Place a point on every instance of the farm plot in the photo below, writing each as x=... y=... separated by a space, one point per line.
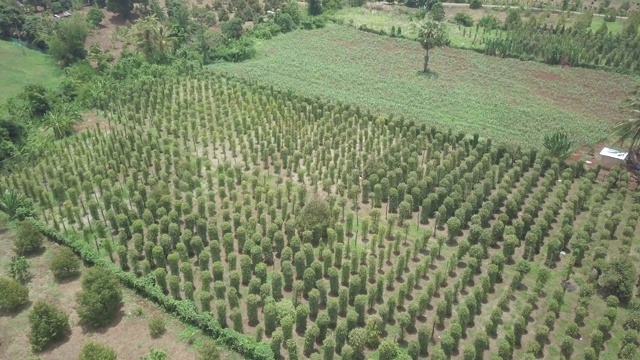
x=324 y=230
x=508 y=100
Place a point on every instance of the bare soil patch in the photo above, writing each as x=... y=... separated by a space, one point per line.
x=347 y=44
x=592 y=158
x=547 y=76
x=106 y=35
x=91 y=121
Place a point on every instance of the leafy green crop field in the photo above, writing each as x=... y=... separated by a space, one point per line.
x=508 y=100
x=20 y=66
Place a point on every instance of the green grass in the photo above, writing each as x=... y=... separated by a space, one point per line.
x=20 y=66
x=508 y=100
x=614 y=27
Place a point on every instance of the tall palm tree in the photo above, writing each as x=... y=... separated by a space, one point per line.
x=165 y=40
x=628 y=131
x=432 y=34
x=152 y=38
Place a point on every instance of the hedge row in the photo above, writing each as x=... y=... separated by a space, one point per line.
x=183 y=309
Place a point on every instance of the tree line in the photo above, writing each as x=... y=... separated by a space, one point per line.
x=573 y=46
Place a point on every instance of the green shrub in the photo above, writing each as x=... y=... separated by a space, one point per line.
x=156 y=354
x=463 y=19
x=64 y=263
x=513 y=19
x=28 y=239
x=48 y=324
x=56 y=7
x=437 y=12
x=315 y=217
x=233 y=28
x=95 y=17
x=558 y=145
x=490 y=22
x=18 y=269
x=96 y=351
x=475 y=4
x=14 y=205
x=12 y=294
x=208 y=350
x=157 y=326
x=100 y=298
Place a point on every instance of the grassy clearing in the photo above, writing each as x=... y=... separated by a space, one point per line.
x=506 y=99
x=20 y=66
x=614 y=27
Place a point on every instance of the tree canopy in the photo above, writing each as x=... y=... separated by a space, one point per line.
x=628 y=131
x=432 y=34
x=66 y=43
x=618 y=278
x=315 y=216
x=100 y=298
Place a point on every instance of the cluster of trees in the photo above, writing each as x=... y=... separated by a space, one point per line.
x=97 y=303
x=64 y=40
x=574 y=46
x=36 y=117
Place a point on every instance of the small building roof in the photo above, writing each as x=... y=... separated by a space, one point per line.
x=613 y=153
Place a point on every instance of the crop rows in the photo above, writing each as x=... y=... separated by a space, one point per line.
x=324 y=230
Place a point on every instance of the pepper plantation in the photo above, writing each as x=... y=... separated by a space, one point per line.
x=292 y=227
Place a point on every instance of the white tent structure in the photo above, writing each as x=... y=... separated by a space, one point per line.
x=612 y=158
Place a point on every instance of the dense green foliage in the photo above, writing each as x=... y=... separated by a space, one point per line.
x=18 y=269
x=28 y=239
x=48 y=324
x=618 y=278
x=64 y=263
x=95 y=17
x=558 y=145
x=463 y=19
x=315 y=217
x=156 y=354
x=66 y=43
x=12 y=294
x=100 y=298
x=437 y=12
